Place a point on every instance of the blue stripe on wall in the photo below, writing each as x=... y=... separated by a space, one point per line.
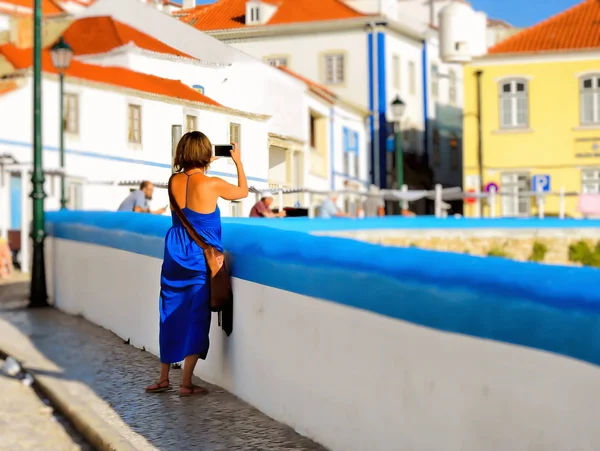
x=382 y=110
x=425 y=65
x=371 y=106
x=101 y=156
x=547 y=307
x=332 y=147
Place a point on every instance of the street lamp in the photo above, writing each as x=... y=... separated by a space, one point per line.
x=397 y=109
x=38 y=297
x=62 y=55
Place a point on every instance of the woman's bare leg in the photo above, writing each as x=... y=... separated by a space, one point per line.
x=163 y=382
x=187 y=388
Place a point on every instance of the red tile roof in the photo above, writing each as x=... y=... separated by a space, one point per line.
x=48 y=6
x=116 y=76
x=317 y=88
x=576 y=28
x=227 y=14
x=101 y=34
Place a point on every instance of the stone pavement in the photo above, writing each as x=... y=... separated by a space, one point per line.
x=109 y=377
x=27 y=423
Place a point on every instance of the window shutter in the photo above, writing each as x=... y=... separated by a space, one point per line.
x=521 y=111
x=506 y=112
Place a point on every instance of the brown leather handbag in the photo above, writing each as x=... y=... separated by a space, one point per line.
x=221 y=293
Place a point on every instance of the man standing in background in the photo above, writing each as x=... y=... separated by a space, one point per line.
x=374 y=205
x=138 y=200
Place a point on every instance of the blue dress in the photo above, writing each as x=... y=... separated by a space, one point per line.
x=184 y=288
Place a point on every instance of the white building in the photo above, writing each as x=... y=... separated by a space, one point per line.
x=368 y=51
x=267 y=110
x=118 y=127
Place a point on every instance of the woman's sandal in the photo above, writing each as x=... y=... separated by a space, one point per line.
x=194 y=391
x=159 y=387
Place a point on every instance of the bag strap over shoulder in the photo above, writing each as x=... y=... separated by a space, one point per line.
x=184 y=220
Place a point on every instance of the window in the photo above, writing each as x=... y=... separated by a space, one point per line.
x=512 y=187
x=334 y=69
x=513 y=104
x=452 y=88
x=255 y=14
x=276 y=62
x=435 y=82
x=235 y=133
x=135 y=124
x=412 y=78
x=590 y=99
x=590 y=181
x=396 y=72
x=350 y=153
x=313 y=130
x=71 y=113
x=191 y=123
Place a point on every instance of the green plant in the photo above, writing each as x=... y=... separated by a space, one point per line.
x=497 y=252
x=412 y=245
x=581 y=252
x=538 y=252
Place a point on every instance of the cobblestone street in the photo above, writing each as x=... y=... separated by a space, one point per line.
x=110 y=377
x=27 y=423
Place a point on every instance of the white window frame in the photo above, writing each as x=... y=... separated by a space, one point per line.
x=71 y=113
x=513 y=97
x=511 y=184
x=592 y=92
x=131 y=129
x=335 y=68
x=590 y=180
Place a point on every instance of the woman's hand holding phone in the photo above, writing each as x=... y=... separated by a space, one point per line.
x=235 y=154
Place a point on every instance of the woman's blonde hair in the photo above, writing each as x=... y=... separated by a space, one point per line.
x=193 y=151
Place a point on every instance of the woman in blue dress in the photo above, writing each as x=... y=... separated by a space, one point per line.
x=184 y=295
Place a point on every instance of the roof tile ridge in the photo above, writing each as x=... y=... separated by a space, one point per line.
x=537 y=26
x=113 y=25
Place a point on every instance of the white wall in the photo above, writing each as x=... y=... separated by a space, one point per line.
x=101 y=151
x=350 y=379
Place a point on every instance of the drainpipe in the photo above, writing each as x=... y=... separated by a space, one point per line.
x=478 y=74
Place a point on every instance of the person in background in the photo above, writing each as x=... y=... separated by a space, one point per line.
x=374 y=205
x=329 y=209
x=262 y=208
x=138 y=200
x=6 y=265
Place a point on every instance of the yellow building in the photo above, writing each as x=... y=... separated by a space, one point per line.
x=537 y=95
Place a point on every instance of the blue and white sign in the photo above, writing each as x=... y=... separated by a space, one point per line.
x=540 y=182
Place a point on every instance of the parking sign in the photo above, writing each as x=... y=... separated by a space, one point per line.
x=540 y=182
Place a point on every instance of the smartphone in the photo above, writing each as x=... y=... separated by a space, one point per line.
x=222 y=150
